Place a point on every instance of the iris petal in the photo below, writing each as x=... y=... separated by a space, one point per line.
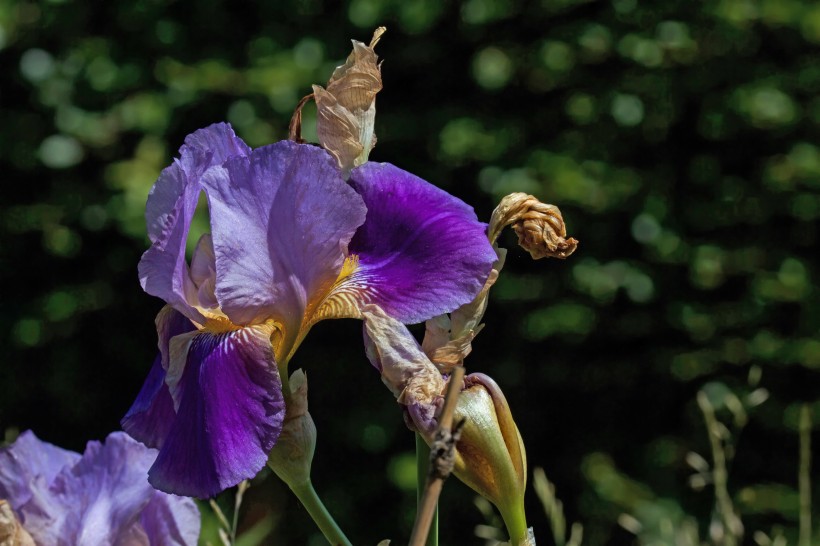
x=27 y=459
x=282 y=220
x=97 y=501
x=230 y=410
x=171 y=204
x=170 y=521
x=151 y=415
x=421 y=252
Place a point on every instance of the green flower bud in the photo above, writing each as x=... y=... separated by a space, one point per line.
x=292 y=455
x=490 y=455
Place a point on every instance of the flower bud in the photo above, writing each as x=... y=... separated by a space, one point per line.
x=292 y=455
x=539 y=226
x=11 y=530
x=490 y=455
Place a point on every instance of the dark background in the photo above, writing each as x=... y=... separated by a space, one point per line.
x=678 y=138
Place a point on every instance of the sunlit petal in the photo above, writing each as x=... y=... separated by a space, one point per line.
x=229 y=411
x=171 y=204
x=420 y=253
x=282 y=220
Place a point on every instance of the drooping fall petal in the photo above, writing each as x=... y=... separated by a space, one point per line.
x=229 y=411
x=151 y=415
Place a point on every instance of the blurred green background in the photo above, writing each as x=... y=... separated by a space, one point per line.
x=680 y=140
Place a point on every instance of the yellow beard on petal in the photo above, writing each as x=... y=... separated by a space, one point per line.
x=337 y=301
x=350 y=265
x=340 y=301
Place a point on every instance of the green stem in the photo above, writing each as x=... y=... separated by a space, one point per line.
x=313 y=504
x=422 y=465
x=516 y=523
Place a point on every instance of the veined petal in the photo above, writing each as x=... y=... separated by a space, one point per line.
x=282 y=220
x=171 y=204
x=97 y=501
x=229 y=414
x=29 y=458
x=151 y=415
x=420 y=253
x=168 y=520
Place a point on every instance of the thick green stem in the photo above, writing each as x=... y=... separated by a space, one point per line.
x=311 y=501
x=422 y=465
x=516 y=523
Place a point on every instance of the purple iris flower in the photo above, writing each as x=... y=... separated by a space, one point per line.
x=291 y=243
x=101 y=497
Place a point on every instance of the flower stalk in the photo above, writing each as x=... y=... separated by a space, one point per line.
x=442 y=458
x=313 y=504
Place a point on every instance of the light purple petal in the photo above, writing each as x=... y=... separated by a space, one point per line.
x=171 y=204
x=421 y=251
x=282 y=220
x=151 y=415
x=229 y=416
x=26 y=459
x=169 y=520
x=98 y=501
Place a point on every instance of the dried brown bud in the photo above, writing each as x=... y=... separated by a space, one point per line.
x=11 y=531
x=347 y=108
x=539 y=226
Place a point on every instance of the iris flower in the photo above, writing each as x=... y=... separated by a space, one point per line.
x=102 y=497
x=291 y=243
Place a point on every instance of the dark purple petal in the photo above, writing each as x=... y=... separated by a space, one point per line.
x=282 y=220
x=26 y=459
x=169 y=520
x=151 y=415
x=421 y=251
x=171 y=204
x=229 y=415
x=97 y=501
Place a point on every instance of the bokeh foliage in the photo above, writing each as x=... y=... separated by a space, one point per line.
x=680 y=139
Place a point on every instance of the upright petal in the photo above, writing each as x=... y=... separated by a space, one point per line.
x=421 y=252
x=98 y=501
x=230 y=410
x=282 y=220
x=26 y=459
x=170 y=208
x=151 y=415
